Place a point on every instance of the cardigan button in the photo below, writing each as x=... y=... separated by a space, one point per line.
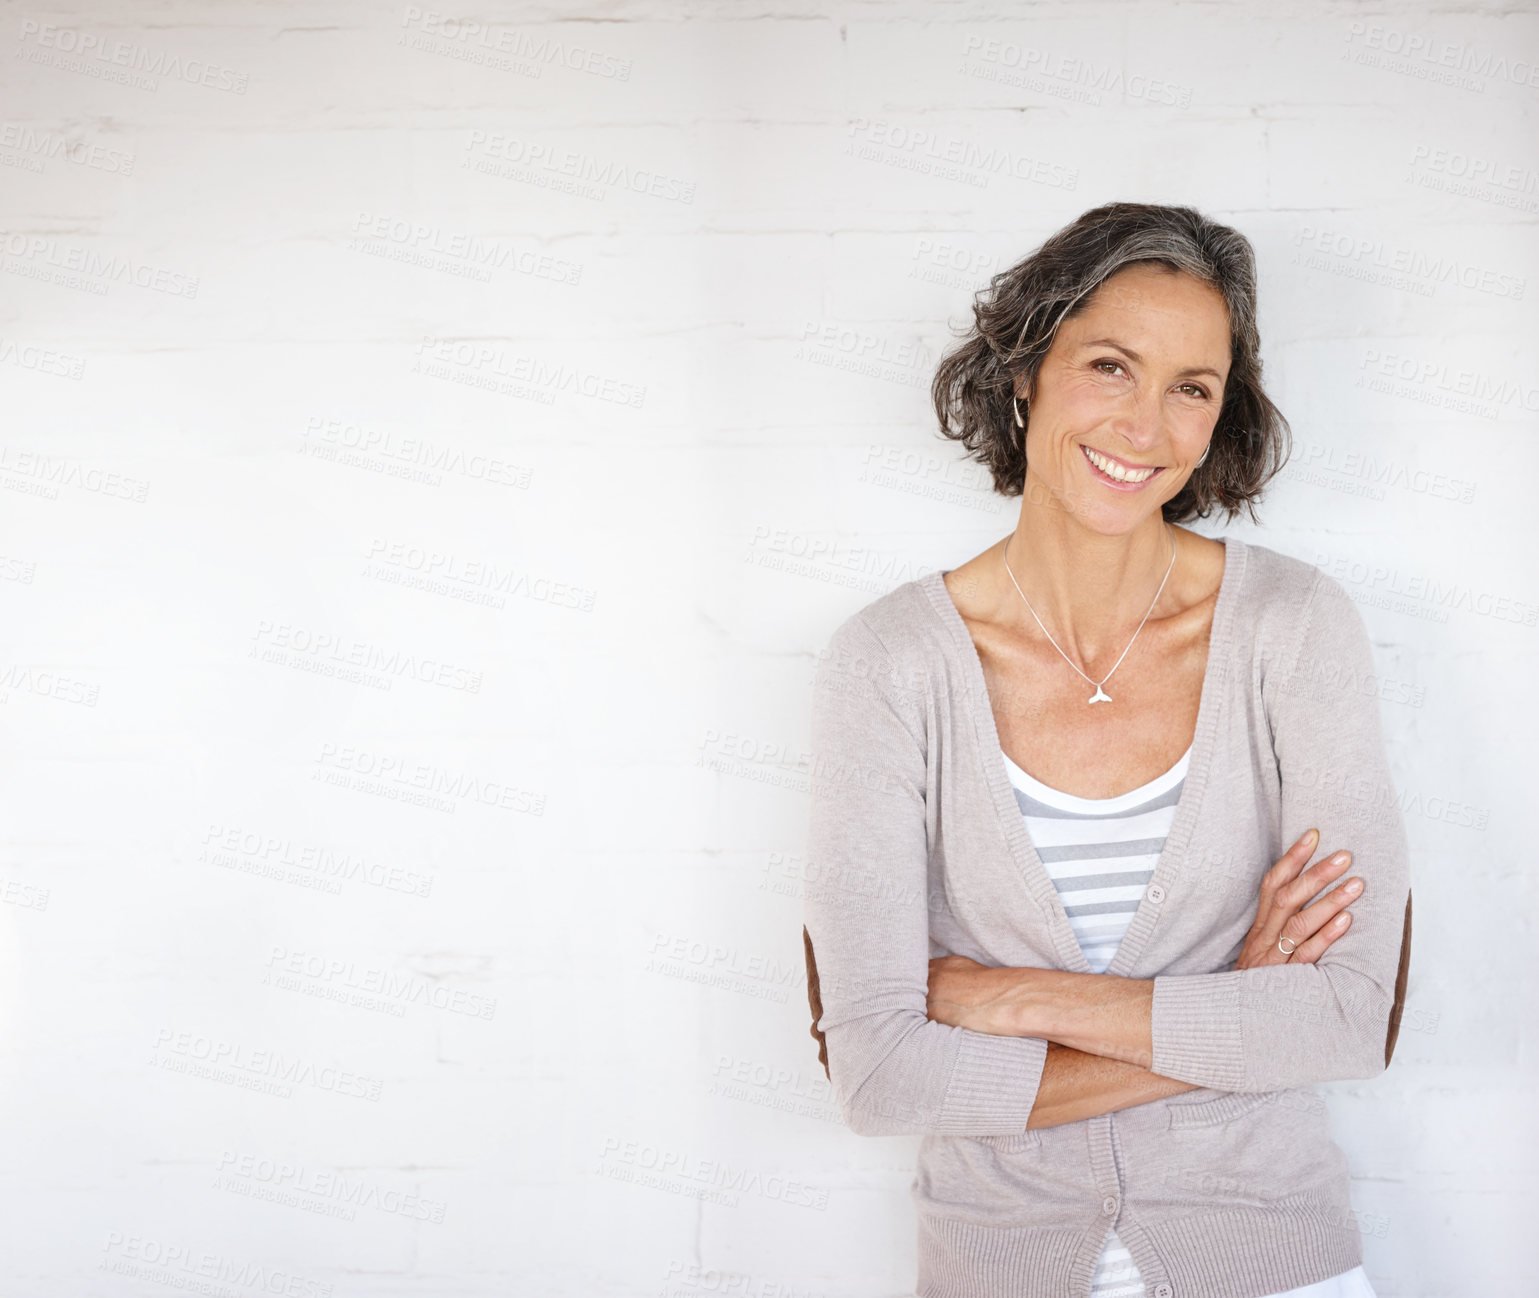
x=1156 y=893
x=1163 y=1291
x=1109 y=1205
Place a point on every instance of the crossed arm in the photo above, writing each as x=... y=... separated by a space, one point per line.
x=1076 y=1085
x=1097 y=1027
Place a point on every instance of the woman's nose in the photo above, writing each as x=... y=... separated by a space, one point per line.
x=1138 y=419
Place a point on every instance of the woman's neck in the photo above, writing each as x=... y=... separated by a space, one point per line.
x=1089 y=588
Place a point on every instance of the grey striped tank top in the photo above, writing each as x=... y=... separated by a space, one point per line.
x=1100 y=854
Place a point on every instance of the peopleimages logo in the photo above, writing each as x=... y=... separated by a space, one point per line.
x=1471 y=385
x=316 y=1189
x=1066 y=76
x=490 y=364
x=680 y=1172
x=1429 y=57
x=40 y=146
x=538 y=52
x=432 y=246
x=533 y=159
x=1376 y=259
x=47 y=255
x=269 y=1071
x=951 y=157
x=199 y=1270
x=114 y=60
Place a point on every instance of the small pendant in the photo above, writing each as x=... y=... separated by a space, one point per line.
x=1100 y=696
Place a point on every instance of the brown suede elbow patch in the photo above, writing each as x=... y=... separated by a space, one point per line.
x=815 y=1000
x=1400 y=981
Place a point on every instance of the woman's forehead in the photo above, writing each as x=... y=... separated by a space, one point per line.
x=1141 y=289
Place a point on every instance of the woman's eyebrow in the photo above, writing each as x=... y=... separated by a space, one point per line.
x=1139 y=360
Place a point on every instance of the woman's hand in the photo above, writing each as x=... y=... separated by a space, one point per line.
x=966 y=994
x=1285 y=888
x=1095 y=1013
x=953 y=989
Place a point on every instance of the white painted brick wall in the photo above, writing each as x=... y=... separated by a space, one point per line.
x=239 y=327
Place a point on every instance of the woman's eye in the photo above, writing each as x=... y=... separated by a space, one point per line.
x=1195 y=390
x=1116 y=365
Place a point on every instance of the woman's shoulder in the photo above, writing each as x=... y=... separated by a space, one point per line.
x=1276 y=580
x=906 y=624
x=1282 y=596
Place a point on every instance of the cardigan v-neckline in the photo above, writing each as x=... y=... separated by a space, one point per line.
x=1031 y=873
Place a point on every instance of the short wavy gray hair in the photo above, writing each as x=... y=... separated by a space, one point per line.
x=1016 y=318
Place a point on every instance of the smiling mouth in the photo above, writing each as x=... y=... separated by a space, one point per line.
x=1117 y=472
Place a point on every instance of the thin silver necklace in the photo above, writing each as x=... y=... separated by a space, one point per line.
x=1100 y=695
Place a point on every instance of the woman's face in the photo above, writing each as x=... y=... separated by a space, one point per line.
x=1137 y=379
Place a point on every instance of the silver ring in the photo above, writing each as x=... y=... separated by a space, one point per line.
x=1281 y=948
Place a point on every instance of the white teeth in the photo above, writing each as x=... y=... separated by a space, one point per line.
x=1114 y=470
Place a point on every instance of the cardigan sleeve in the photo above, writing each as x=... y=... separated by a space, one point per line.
x=1287 y=1025
x=894 y=1071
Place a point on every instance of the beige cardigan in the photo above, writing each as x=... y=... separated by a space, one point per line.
x=916 y=849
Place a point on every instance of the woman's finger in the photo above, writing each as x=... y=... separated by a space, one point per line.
x=1279 y=898
x=1285 y=871
x=1320 y=924
x=1260 y=945
x=1291 y=896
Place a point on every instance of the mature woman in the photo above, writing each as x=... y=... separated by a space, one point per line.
x=1062 y=918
